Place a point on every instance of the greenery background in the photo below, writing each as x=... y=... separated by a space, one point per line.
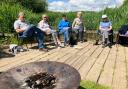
x=35 y=8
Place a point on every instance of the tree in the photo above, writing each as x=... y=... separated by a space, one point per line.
x=34 y=5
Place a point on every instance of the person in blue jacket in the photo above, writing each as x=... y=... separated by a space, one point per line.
x=64 y=26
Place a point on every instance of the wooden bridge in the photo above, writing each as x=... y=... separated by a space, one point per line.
x=106 y=66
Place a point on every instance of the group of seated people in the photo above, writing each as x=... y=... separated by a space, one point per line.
x=25 y=29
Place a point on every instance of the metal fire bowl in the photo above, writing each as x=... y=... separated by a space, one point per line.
x=66 y=76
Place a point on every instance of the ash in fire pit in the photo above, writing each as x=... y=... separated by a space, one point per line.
x=41 y=75
x=40 y=81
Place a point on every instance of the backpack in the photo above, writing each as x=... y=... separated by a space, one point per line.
x=123 y=29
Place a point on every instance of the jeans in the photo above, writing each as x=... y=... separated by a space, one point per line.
x=34 y=31
x=65 y=32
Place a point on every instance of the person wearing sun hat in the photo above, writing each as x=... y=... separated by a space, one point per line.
x=104 y=27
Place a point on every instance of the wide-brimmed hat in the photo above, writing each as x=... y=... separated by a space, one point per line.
x=104 y=16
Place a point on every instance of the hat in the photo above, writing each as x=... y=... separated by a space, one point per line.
x=104 y=16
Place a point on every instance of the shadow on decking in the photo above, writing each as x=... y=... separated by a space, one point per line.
x=49 y=46
x=5 y=54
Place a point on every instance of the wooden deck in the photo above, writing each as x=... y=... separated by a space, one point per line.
x=104 y=66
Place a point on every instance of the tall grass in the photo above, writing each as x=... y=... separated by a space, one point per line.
x=9 y=11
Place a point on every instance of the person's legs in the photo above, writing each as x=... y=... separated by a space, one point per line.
x=55 y=38
x=76 y=32
x=81 y=35
x=65 y=32
x=28 y=32
x=98 y=37
x=106 y=33
x=103 y=36
x=66 y=35
x=40 y=37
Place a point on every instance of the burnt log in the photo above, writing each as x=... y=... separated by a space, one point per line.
x=67 y=77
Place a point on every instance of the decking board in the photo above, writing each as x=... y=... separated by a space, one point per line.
x=102 y=65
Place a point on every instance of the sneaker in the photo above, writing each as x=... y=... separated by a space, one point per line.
x=43 y=49
x=62 y=46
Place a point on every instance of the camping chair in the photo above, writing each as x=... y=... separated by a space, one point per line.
x=24 y=40
x=121 y=34
x=99 y=36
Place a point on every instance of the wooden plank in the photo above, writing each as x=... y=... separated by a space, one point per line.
x=86 y=67
x=119 y=79
x=94 y=73
x=74 y=57
x=42 y=55
x=20 y=60
x=126 y=60
x=83 y=59
x=61 y=53
x=57 y=54
x=70 y=55
x=2 y=60
x=107 y=73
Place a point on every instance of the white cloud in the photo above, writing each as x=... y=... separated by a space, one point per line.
x=83 y=5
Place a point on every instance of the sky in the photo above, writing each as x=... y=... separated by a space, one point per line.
x=82 y=5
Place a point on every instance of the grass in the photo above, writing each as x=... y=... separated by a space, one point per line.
x=9 y=11
x=91 y=85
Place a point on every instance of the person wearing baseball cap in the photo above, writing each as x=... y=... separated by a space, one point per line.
x=104 y=28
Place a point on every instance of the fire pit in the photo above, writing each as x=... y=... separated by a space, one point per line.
x=41 y=75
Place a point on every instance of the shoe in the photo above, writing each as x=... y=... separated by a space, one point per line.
x=104 y=46
x=65 y=44
x=43 y=49
x=71 y=45
x=96 y=43
x=81 y=41
x=62 y=46
x=110 y=45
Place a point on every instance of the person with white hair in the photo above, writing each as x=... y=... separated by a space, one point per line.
x=47 y=29
x=78 y=27
x=24 y=29
x=104 y=28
